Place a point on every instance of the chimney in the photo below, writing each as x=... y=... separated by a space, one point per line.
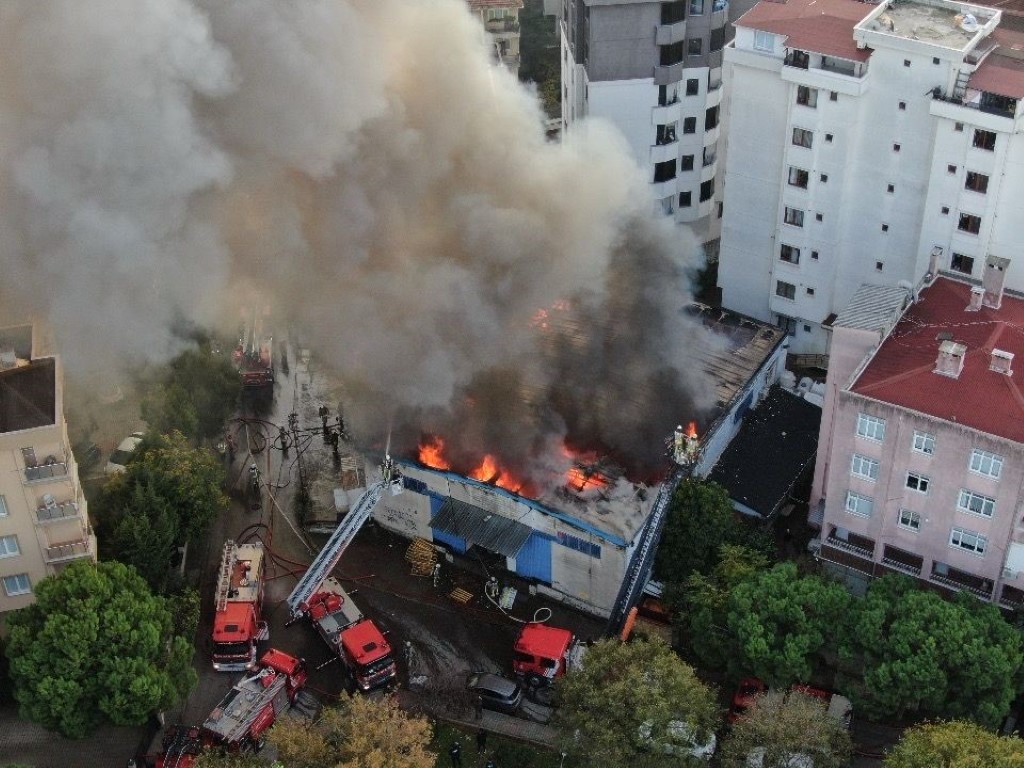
x=951 y=359
x=993 y=280
x=977 y=299
x=1001 y=362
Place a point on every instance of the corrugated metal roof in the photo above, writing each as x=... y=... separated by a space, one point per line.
x=874 y=308
x=478 y=526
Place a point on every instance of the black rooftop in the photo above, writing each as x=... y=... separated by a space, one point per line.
x=28 y=396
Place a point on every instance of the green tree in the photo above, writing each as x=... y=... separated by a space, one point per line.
x=621 y=706
x=700 y=520
x=96 y=647
x=702 y=604
x=145 y=533
x=196 y=394
x=780 y=725
x=921 y=653
x=955 y=744
x=780 y=621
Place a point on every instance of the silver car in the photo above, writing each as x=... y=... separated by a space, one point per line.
x=495 y=692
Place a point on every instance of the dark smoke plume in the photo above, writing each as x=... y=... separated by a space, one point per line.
x=363 y=167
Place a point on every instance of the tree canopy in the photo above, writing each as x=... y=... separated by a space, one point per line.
x=780 y=620
x=780 y=725
x=358 y=733
x=955 y=744
x=627 y=702
x=96 y=646
x=921 y=653
x=196 y=394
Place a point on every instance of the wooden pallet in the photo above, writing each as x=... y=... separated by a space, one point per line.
x=422 y=556
x=460 y=595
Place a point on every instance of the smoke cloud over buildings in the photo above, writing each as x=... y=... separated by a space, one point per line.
x=364 y=167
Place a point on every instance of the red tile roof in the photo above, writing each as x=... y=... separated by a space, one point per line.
x=901 y=372
x=821 y=26
x=1002 y=71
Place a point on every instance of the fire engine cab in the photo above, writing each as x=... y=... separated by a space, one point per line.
x=543 y=653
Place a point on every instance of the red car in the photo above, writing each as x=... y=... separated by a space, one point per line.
x=748 y=688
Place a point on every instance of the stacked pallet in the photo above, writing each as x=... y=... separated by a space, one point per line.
x=460 y=595
x=422 y=556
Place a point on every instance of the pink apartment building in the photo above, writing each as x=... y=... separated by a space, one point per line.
x=921 y=451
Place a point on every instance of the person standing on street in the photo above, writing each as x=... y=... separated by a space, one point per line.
x=481 y=741
x=455 y=753
x=479 y=707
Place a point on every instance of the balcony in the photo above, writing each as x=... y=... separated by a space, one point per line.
x=854 y=544
x=903 y=561
x=1011 y=597
x=497 y=26
x=709 y=158
x=55 y=512
x=668 y=74
x=667 y=34
x=989 y=103
x=962 y=581
x=68 y=550
x=797 y=59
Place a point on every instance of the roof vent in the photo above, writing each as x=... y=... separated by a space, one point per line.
x=1001 y=362
x=951 y=359
x=944 y=336
x=8 y=359
x=977 y=299
x=993 y=281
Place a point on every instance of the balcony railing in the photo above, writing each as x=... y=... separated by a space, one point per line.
x=1000 y=106
x=913 y=570
x=853 y=549
x=49 y=513
x=69 y=550
x=709 y=158
x=804 y=60
x=502 y=25
x=958 y=585
x=46 y=471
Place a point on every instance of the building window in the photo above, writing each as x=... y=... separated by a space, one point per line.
x=686 y=163
x=935 y=59
x=670 y=54
x=819 y=217
x=807 y=96
x=665 y=134
x=865 y=467
x=810 y=291
x=984 y=139
x=785 y=290
x=885 y=227
x=787 y=324
x=976 y=182
x=871 y=427
x=789 y=254
x=906 y=62
x=833 y=96
x=916 y=482
x=689 y=125
x=707 y=190
x=903 y=105
x=924 y=443
x=859 y=505
x=692 y=87
x=710 y=118
x=950 y=169
x=814 y=255
x=958 y=127
x=823 y=178
x=9 y=546
x=807 y=328
x=879 y=266
x=986 y=463
x=910 y=520
x=945 y=210
x=694 y=46
x=665 y=171
x=975 y=504
x=3 y=507
x=684 y=199
x=895 y=147
x=969 y=223
x=793 y=217
x=828 y=138
x=890 y=188
x=969 y=540
x=798 y=177
x=763 y=41
x=696 y=7
x=717 y=40
x=17 y=585
x=673 y=13
x=962 y=264
x=803 y=138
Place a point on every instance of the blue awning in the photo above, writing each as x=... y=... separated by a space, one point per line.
x=478 y=526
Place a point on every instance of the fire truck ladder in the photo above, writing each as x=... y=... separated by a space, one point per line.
x=227 y=567
x=232 y=720
x=329 y=556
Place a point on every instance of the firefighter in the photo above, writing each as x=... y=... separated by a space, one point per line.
x=455 y=753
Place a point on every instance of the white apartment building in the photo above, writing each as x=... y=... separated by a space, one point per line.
x=868 y=143
x=654 y=69
x=44 y=520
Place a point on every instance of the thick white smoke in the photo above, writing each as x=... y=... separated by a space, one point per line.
x=364 y=165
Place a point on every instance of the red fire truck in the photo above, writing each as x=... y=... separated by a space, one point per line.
x=254 y=355
x=543 y=653
x=240 y=721
x=238 y=624
x=354 y=639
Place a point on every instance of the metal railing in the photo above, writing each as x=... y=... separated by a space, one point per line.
x=960 y=101
x=64 y=510
x=957 y=585
x=46 y=471
x=69 y=550
x=846 y=546
x=913 y=570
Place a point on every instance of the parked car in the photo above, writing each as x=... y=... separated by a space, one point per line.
x=748 y=688
x=119 y=457
x=86 y=454
x=495 y=692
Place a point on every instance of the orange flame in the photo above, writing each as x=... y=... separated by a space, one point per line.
x=691 y=430
x=578 y=479
x=489 y=472
x=432 y=453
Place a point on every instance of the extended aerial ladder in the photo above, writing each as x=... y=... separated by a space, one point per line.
x=227 y=567
x=329 y=556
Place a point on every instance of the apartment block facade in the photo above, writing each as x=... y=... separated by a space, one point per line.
x=500 y=19
x=868 y=143
x=44 y=520
x=654 y=69
x=920 y=469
